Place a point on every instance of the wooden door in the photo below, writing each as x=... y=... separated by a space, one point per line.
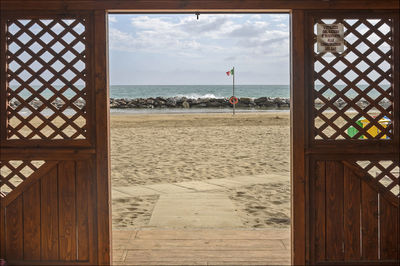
x=352 y=145
x=51 y=189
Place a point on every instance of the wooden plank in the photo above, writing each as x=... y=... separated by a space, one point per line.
x=369 y=222
x=194 y=5
x=49 y=216
x=319 y=203
x=67 y=210
x=389 y=231
x=102 y=138
x=334 y=211
x=354 y=146
x=21 y=143
x=352 y=201
x=83 y=172
x=31 y=220
x=2 y=230
x=359 y=263
x=396 y=82
x=298 y=136
x=14 y=230
x=32 y=179
x=4 y=83
x=378 y=187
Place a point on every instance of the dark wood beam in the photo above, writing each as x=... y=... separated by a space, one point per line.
x=198 y=5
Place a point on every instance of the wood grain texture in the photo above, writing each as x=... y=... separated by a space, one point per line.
x=83 y=172
x=369 y=222
x=49 y=216
x=4 y=83
x=67 y=211
x=320 y=212
x=14 y=230
x=334 y=211
x=389 y=231
x=298 y=135
x=31 y=220
x=199 y=5
x=352 y=201
x=102 y=138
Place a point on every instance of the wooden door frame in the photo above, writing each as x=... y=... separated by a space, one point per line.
x=299 y=116
x=298 y=134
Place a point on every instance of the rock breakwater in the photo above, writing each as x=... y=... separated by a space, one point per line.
x=183 y=102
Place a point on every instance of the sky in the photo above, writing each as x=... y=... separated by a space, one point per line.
x=178 y=49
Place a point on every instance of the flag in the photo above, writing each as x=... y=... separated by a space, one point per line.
x=230 y=72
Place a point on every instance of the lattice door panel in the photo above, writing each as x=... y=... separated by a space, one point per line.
x=353 y=92
x=14 y=172
x=385 y=173
x=47 y=79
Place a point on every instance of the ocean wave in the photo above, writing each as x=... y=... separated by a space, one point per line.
x=198 y=96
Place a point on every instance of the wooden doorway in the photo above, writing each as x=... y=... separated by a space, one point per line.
x=44 y=164
x=54 y=155
x=354 y=178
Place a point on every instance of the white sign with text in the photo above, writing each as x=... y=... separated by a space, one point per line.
x=330 y=38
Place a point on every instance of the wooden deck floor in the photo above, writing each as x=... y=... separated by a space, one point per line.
x=201 y=247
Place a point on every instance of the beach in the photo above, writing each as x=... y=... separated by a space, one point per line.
x=244 y=158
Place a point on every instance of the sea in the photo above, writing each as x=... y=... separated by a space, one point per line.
x=195 y=92
x=198 y=91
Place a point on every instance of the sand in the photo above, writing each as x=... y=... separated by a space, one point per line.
x=170 y=148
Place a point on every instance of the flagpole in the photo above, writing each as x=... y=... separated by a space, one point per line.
x=233 y=89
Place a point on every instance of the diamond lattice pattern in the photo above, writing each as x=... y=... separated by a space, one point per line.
x=353 y=91
x=14 y=172
x=387 y=173
x=47 y=78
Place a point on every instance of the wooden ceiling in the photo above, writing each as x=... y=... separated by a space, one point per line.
x=196 y=5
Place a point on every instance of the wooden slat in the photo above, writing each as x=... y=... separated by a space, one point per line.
x=67 y=210
x=369 y=222
x=49 y=216
x=195 y=5
x=319 y=201
x=14 y=230
x=352 y=200
x=32 y=179
x=58 y=134
x=83 y=172
x=298 y=138
x=367 y=178
x=339 y=131
x=334 y=211
x=102 y=138
x=31 y=220
x=3 y=85
x=389 y=231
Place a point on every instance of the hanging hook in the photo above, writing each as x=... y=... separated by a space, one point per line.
x=197 y=15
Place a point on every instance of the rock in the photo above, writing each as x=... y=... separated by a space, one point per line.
x=179 y=102
x=185 y=104
x=246 y=100
x=213 y=104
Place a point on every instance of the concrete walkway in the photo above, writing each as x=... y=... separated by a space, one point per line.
x=202 y=247
x=194 y=204
x=195 y=210
x=195 y=186
x=189 y=226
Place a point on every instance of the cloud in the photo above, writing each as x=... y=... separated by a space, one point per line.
x=187 y=33
x=278 y=17
x=282 y=26
x=212 y=42
x=112 y=19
